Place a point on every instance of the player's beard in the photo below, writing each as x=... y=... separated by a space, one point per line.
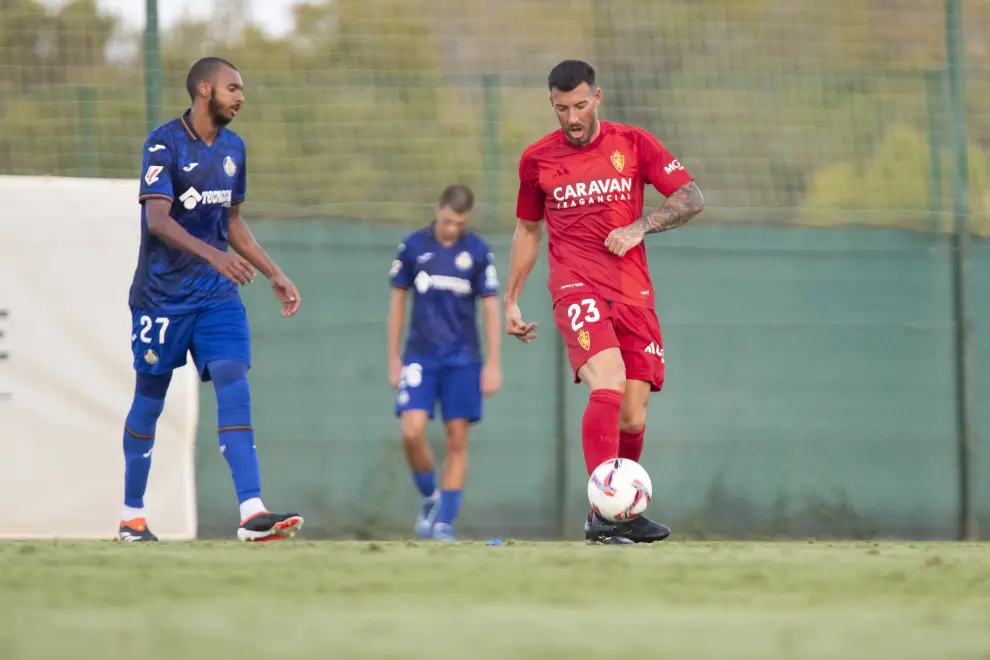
x=587 y=132
x=216 y=111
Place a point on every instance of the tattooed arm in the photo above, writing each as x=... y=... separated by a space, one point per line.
x=682 y=205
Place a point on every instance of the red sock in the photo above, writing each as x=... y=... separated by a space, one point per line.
x=631 y=444
x=600 y=427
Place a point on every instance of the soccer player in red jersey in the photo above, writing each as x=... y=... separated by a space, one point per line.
x=587 y=181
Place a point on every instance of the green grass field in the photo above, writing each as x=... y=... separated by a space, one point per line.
x=525 y=600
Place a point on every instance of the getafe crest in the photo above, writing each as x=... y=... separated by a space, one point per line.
x=463 y=261
x=231 y=168
x=584 y=339
x=618 y=160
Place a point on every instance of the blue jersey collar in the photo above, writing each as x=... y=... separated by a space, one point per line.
x=186 y=120
x=431 y=231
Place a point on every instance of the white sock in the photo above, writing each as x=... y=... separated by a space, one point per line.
x=252 y=507
x=130 y=513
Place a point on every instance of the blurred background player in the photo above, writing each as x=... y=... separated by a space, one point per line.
x=184 y=295
x=587 y=180
x=446 y=267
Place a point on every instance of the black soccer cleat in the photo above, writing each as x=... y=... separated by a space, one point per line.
x=637 y=530
x=599 y=530
x=267 y=526
x=135 y=531
x=644 y=530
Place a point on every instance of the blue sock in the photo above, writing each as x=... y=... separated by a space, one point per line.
x=448 y=507
x=235 y=432
x=426 y=482
x=139 y=438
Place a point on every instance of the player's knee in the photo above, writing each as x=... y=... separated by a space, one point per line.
x=413 y=437
x=152 y=386
x=457 y=437
x=413 y=430
x=632 y=419
x=224 y=372
x=143 y=416
x=147 y=405
x=233 y=392
x=604 y=370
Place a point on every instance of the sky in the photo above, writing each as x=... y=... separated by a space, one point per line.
x=274 y=16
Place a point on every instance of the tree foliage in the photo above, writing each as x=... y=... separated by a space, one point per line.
x=785 y=110
x=899 y=185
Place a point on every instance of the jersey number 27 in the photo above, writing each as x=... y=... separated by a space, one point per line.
x=146 y=324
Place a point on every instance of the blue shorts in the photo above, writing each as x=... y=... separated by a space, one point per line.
x=160 y=341
x=458 y=389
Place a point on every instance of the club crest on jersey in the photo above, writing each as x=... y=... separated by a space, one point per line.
x=463 y=261
x=618 y=160
x=229 y=166
x=150 y=357
x=584 y=339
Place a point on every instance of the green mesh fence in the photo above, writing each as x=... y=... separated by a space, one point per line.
x=787 y=110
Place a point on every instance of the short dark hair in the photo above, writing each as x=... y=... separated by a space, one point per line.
x=204 y=69
x=458 y=198
x=569 y=74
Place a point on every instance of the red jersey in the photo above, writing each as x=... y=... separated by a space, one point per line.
x=585 y=192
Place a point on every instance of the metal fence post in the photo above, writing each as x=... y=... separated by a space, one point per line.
x=86 y=154
x=490 y=148
x=960 y=271
x=560 y=447
x=934 y=108
x=153 y=83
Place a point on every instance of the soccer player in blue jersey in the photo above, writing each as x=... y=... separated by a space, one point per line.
x=446 y=267
x=184 y=296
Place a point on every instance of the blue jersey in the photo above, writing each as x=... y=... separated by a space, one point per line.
x=202 y=182
x=445 y=281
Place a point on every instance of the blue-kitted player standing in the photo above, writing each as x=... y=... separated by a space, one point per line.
x=447 y=268
x=184 y=297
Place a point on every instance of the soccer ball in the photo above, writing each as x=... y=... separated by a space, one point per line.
x=619 y=489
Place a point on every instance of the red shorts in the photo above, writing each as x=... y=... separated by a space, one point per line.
x=589 y=325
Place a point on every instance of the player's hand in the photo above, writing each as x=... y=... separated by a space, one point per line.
x=287 y=294
x=233 y=266
x=515 y=326
x=623 y=239
x=394 y=372
x=491 y=379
